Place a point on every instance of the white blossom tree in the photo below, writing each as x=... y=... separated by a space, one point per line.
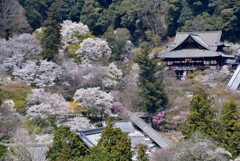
x=92 y=49
x=198 y=147
x=42 y=104
x=114 y=74
x=212 y=77
x=18 y=49
x=41 y=73
x=79 y=123
x=135 y=70
x=69 y=31
x=94 y=98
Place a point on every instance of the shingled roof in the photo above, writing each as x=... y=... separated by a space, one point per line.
x=208 y=40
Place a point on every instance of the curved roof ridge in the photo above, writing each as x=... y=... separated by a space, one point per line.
x=203 y=43
x=179 y=43
x=189 y=34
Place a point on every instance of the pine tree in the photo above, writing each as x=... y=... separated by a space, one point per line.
x=115 y=142
x=152 y=86
x=202 y=116
x=51 y=34
x=230 y=132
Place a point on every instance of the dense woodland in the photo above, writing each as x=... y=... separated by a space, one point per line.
x=80 y=61
x=162 y=17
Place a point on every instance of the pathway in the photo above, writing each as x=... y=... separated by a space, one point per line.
x=154 y=135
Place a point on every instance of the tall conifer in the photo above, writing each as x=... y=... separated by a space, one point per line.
x=230 y=132
x=152 y=87
x=51 y=34
x=115 y=142
x=202 y=116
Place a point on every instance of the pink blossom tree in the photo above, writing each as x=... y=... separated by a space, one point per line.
x=117 y=107
x=157 y=120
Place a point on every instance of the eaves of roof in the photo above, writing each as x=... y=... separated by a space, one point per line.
x=189 y=53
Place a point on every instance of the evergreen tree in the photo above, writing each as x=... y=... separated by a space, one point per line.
x=51 y=34
x=114 y=141
x=152 y=87
x=66 y=145
x=230 y=133
x=202 y=116
x=96 y=154
x=142 y=156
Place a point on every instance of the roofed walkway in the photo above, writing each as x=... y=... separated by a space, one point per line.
x=155 y=136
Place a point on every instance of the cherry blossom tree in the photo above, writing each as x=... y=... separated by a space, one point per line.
x=157 y=120
x=94 y=98
x=42 y=104
x=79 y=123
x=76 y=76
x=18 y=49
x=117 y=107
x=41 y=73
x=135 y=70
x=70 y=30
x=91 y=50
x=114 y=74
x=198 y=147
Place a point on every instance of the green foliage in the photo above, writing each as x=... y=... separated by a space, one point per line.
x=39 y=122
x=96 y=154
x=40 y=126
x=152 y=87
x=51 y=35
x=202 y=116
x=70 y=9
x=230 y=129
x=190 y=15
x=17 y=92
x=114 y=141
x=66 y=145
x=3 y=149
x=116 y=40
x=36 y=11
x=156 y=39
x=142 y=156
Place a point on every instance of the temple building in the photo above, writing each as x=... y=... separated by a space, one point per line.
x=196 y=51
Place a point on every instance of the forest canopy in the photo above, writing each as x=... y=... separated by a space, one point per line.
x=162 y=17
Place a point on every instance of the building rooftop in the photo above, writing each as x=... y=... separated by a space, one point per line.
x=209 y=39
x=197 y=45
x=125 y=125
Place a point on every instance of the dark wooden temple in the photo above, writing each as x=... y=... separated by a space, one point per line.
x=196 y=51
